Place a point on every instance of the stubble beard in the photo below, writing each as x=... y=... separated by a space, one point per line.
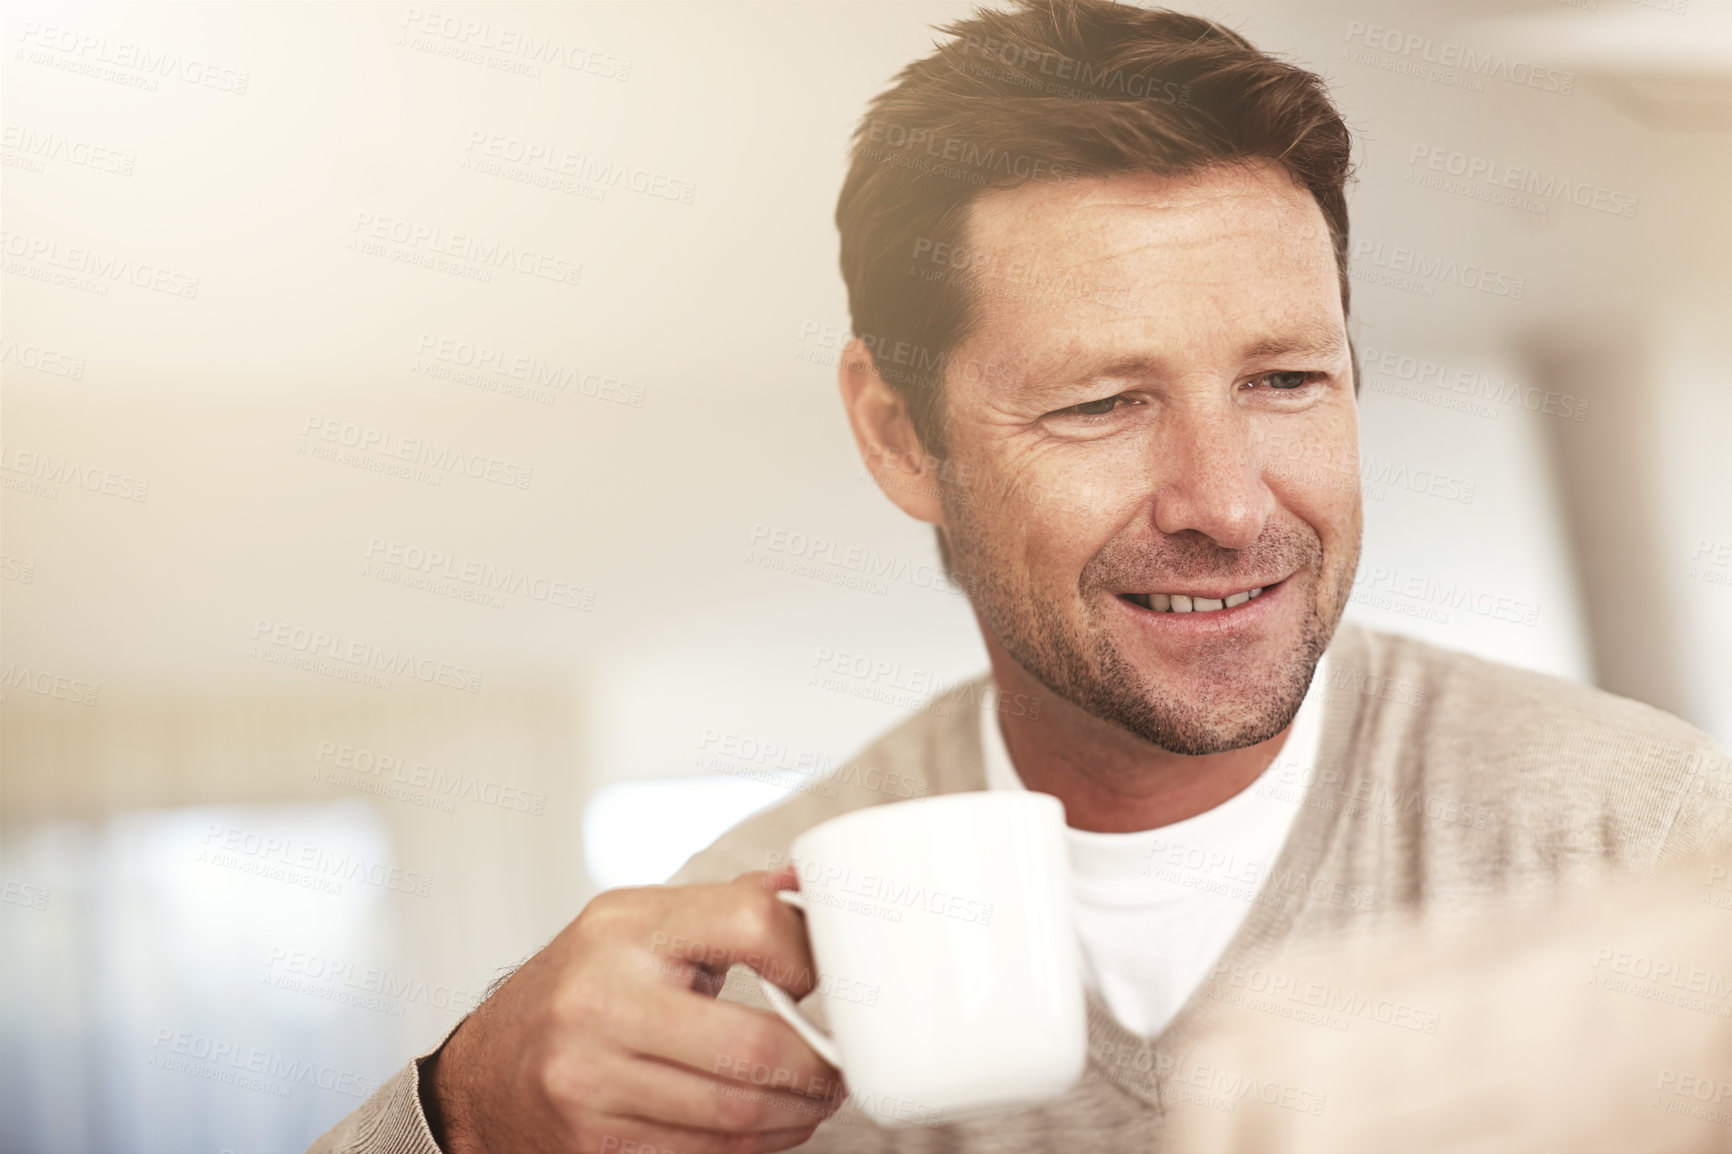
x=1213 y=713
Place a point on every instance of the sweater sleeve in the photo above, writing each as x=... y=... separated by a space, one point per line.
x=1703 y=821
x=390 y=1122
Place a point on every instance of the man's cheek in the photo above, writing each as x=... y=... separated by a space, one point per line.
x=1107 y=482
x=1315 y=477
x=1021 y=524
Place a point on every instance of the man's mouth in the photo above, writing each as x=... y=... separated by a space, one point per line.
x=1194 y=602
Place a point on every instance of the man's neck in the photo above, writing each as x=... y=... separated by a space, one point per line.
x=1111 y=781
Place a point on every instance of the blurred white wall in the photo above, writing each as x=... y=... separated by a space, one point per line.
x=644 y=388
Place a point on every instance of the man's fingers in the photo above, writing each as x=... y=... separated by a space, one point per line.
x=724 y=1040
x=677 y=1096
x=742 y=922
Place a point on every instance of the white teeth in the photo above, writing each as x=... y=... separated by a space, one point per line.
x=1186 y=603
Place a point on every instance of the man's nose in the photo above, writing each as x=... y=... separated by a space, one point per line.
x=1210 y=480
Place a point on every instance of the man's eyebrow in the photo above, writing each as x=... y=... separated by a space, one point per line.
x=1314 y=340
x=1081 y=370
x=1309 y=340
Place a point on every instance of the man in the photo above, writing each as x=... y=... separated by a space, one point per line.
x=1096 y=259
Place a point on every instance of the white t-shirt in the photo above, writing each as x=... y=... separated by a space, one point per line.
x=1155 y=908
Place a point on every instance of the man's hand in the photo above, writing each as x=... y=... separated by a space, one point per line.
x=612 y=1035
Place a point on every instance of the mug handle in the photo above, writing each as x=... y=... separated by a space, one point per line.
x=789 y=1011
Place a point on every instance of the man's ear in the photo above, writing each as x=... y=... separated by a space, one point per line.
x=884 y=433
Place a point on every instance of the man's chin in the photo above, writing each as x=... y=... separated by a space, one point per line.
x=1199 y=716
x=1203 y=731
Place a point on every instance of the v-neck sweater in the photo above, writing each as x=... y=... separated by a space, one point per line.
x=1155 y=908
x=1445 y=785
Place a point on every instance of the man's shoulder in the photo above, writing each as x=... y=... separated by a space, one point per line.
x=1540 y=750
x=1460 y=695
x=937 y=750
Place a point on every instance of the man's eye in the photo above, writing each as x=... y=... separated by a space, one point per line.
x=1098 y=408
x=1286 y=382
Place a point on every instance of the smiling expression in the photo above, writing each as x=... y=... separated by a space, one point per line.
x=1158 y=512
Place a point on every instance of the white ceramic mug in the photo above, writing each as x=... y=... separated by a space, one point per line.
x=947 y=956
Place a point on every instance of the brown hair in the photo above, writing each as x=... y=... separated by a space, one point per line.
x=1053 y=90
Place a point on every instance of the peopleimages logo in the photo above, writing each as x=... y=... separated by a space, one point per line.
x=279 y=638
x=102 y=268
x=1446 y=61
x=366 y=987
x=476 y=578
x=881 y=139
x=46 y=684
x=484 y=42
x=381 y=449
x=805 y=554
x=1089 y=81
x=491 y=367
x=881 y=894
x=42 y=360
x=1494 y=180
x=252 y=1068
x=1379 y=583
x=358 y=766
x=1414 y=270
x=52 y=472
x=508 y=155
x=310 y=866
x=34 y=148
x=136 y=65
x=476 y=257
x=1425 y=380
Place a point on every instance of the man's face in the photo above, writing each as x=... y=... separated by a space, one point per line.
x=1157 y=407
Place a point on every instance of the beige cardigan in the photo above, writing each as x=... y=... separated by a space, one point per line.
x=1444 y=783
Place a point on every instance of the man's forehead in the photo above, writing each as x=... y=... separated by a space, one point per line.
x=1091 y=250
x=1219 y=199
x=1090 y=278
